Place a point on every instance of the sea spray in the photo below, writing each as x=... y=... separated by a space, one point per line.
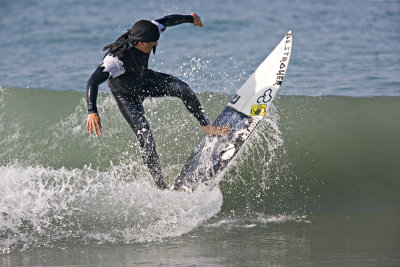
x=45 y=207
x=260 y=178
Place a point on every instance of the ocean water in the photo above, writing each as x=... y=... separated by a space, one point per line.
x=317 y=185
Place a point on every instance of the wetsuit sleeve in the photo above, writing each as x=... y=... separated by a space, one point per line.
x=92 y=87
x=202 y=118
x=173 y=20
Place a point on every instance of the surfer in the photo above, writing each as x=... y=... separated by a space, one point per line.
x=125 y=66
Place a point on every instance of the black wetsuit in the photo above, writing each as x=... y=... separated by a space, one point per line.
x=131 y=82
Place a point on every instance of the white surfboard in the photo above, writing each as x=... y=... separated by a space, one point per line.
x=248 y=107
x=256 y=95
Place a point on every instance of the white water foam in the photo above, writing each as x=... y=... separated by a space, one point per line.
x=257 y=220
x=42 y=207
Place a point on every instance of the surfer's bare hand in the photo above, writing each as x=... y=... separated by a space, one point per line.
x=197 y=20
x=93 y=125
x=217 y=130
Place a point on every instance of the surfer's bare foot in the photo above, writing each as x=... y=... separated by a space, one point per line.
x=217 y=130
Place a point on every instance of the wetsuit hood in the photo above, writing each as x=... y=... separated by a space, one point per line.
x=144 y=31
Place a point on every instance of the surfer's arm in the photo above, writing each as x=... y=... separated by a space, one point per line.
x=93 y=125
x=92 y=88
x=173 y=20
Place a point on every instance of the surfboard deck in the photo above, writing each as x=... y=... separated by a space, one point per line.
x=248 y=107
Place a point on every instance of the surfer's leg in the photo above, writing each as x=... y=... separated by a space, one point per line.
x=133 y=112
x=162 y=84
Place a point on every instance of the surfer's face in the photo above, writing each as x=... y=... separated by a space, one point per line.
x=146 y=47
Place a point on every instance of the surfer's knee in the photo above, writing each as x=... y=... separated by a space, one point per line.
x=182 y=89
